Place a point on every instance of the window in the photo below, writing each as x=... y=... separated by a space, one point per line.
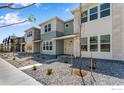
x=104 y=10
x=105 y=43
x=84 y=17
x=29 y=34
x=45 y=28
x=49 y=27
x=47 y=45
x=84 y=44
x=94 y=13
x=94 y=43
x=50 y=45
x=43 y=45
x=66 y=25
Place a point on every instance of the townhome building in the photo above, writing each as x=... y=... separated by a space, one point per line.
x=101 y=27
x=20 y=44
x=8 y=44
x=1 y=47
x=102 y=30
x=56 y=36
x=32 y=40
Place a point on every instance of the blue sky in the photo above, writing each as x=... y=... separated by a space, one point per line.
x=41 y=12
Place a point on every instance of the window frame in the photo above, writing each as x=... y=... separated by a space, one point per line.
x=45 y=28
x=66 y=25
x=84 y=17
x=29 y=34
x=50 y=45
x=105 y=43
x=47 y=45
x=85 y=44
x=94 y=44
x=44 y=45
x=105 y=10
x=93 y=13
x=49 y=27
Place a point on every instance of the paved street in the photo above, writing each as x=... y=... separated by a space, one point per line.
x=9 y=75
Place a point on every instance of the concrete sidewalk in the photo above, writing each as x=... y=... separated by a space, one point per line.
x=10 y=75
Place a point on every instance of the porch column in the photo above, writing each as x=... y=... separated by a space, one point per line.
x=76 y=47
x=20 y=47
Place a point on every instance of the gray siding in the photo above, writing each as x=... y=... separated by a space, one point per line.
x=70 y=29
x=37 y=35
x=50 y=35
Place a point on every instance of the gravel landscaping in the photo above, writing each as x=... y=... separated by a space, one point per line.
x=106 y=72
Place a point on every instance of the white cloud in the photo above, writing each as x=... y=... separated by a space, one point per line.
x=25 y=4
x=10 y=18
x=67 y=10
x=37 y=5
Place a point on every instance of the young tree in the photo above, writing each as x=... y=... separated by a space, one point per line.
x=81 y=50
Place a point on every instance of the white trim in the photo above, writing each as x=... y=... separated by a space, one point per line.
x=64 y=37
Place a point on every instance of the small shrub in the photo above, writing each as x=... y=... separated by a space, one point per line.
x=49 y=71
x=34 y=68
x=13 y=58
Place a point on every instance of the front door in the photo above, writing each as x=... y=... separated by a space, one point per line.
x=68 y=46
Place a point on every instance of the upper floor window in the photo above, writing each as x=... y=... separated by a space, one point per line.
x=93 y=13
x=66 y=25
x=104 y=10
x=84 y=16
x=47 y=28
x=29 y=34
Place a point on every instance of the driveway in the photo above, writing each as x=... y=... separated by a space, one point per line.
x=10 y=75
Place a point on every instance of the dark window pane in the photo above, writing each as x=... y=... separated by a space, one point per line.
x=44 y=46
x=105 y=39
x=50 y=43
x=50 y=47
x=84 y=17
x=84 y=14
x=105 y=13
x=83 y=47
x=93 y=10
x=47 y=48
x=49 y=29
x=83 y=20
x=105 y=6
x=105 y=47
x=66 y=25
x=94 y=47
x=93 y=39
x=93 y=17
x=49 y=25
x=45 y=28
